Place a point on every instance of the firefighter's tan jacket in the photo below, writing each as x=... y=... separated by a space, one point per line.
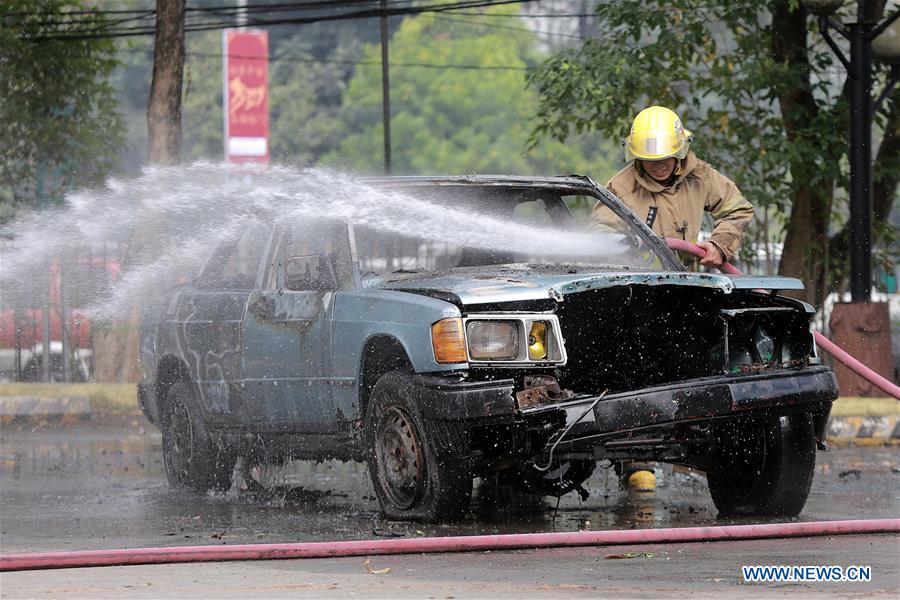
x=679 y=207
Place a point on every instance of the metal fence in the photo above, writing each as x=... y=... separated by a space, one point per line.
x=46 y=329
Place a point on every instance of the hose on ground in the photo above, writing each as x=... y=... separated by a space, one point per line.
x=469 y=543
x=823 y=342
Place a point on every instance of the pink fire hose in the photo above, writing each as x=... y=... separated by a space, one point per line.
x=471 y=543
x=823 y=342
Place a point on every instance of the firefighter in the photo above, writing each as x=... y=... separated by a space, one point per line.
x=666 y=184
x=670 y=188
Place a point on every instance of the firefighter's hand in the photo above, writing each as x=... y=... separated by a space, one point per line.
x=713 y=256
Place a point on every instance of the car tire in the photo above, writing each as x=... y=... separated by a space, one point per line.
x=413 y=479
x=192 y=458
x=762 y=466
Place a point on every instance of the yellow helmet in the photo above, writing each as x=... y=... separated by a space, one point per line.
x=657 y=134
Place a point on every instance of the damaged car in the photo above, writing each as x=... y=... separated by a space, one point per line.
x=438 y=362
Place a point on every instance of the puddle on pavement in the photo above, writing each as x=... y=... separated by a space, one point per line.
x=93 y=485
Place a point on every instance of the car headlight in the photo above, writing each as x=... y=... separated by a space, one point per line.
x=493 y=340
x=517 y=340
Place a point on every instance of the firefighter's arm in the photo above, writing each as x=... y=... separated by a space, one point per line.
x=604 y=219
x=731 y=213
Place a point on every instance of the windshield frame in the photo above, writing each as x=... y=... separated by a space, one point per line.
x=553 y=187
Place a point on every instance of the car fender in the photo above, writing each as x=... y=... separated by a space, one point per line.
x=407 y=318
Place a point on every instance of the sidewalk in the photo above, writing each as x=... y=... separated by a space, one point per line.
x=858 y=421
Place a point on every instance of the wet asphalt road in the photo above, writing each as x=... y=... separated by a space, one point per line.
x=101 y=484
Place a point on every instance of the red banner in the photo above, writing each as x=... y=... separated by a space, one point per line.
x=246 y=95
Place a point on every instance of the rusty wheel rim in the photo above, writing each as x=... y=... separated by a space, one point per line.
x=181 y=441
x=400 y=458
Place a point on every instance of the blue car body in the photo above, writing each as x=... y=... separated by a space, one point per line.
x=295 y=367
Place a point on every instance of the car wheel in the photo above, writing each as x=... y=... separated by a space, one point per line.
x=762 y=466
x=413 y=481
x=192 y=458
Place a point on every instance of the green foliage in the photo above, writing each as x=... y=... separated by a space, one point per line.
x=711 y=62
x=307 y=100
x=201 y=110
x=455 y=120
x=755 y=82
x=60 y=128
x=304 y=99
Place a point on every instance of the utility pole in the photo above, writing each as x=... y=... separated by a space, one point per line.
x=45 y=318
x=385 y=89
x=242 y=14
x=164 y=110
x=860 y=72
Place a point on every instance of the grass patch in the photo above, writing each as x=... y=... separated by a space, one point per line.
x=865 y=407
x=103 y=396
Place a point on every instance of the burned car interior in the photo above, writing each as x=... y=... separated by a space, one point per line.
x=439 y=356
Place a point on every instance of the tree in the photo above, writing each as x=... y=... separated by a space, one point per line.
x=164 y=111
x=58 y=118
x=470 y=116
x=758 y=86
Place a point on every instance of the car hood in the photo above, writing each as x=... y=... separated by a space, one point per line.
x=513 y=285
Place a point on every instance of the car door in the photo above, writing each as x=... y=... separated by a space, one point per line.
x=207 y=320
x=287 y=334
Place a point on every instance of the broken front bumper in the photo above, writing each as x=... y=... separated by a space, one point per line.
x=811 y=389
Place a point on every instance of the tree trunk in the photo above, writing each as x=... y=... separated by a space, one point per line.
x=116 y=351
x=806 y=241
x=115 y=347
x=164 y=111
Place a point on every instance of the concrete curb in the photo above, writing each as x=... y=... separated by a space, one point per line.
x=37 y=408
x=864 y=431
x=864 y=422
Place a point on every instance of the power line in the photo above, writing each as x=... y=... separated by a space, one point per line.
x=531 y=16
x=97 y=18
x=298 y=59
x=229 y=8
x=293 y=6
x=97 y=27
x=510 y=27
x=101 y=31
